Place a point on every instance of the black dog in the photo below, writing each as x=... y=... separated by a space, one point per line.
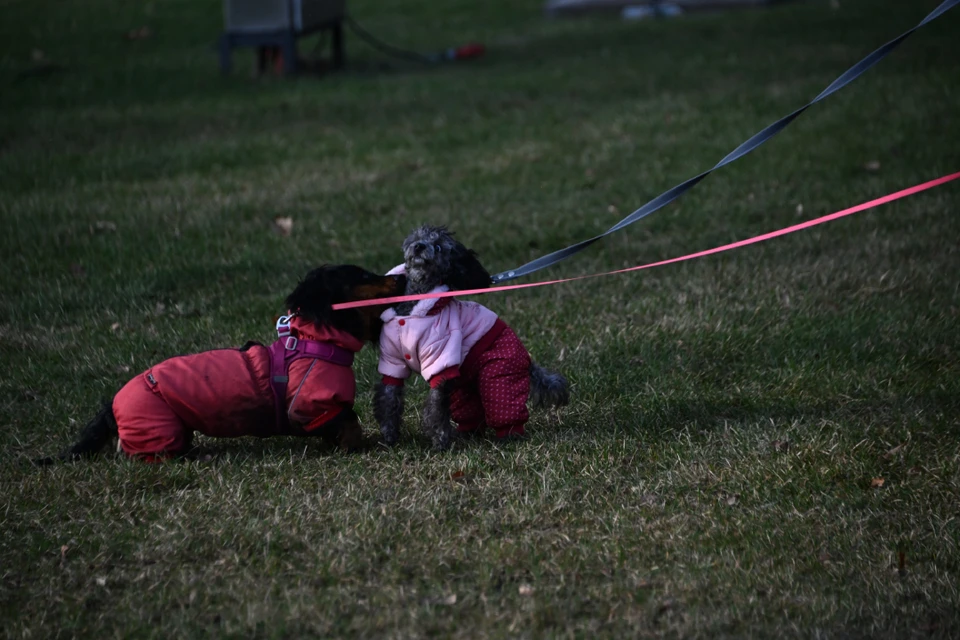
x=301 y=385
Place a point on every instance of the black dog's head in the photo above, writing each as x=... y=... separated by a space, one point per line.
x=432 y=257
x=328 y=285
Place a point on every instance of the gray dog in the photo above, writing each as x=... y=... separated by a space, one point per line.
x=480 y=374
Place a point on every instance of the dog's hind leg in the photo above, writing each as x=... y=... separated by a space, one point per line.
x=436 y=417
x=388 y=410
x=548 y=388
x=93 y=438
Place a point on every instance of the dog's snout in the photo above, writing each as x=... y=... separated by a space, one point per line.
x=419 y=248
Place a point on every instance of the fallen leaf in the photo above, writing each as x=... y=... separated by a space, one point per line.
x=78 y=271
x=122 y=368
x=37 y=55
x=732 y=500
x=102 y=581
x=780 y=445
x=283 y=225
x=525 y=590
x=115 y=327
x=876 y=483
x=612 y=209
x=800 y=209
x=63 y=553
x=450 y=600
x=902 y=563
x=873 y=165
x=458 y=476
x=104 y=225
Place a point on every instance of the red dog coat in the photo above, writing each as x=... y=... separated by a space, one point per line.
x=226 y=393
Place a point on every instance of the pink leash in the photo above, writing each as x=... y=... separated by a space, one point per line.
x=727 y=247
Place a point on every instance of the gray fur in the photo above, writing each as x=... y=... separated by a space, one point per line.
x=388 y=410
x=433 y=257
x=547 y=388
x=436 y=417
x=427 y=255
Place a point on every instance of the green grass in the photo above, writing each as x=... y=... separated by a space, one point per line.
x=713 y=474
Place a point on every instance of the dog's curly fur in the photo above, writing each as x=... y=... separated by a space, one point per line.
x=432 y=256
x=312 y=299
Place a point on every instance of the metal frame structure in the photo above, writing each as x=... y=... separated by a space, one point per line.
x=281 y=36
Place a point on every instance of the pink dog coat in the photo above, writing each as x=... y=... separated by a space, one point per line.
x=226 y=393
x=446 y=338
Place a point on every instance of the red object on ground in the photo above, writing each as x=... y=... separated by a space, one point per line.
x=472 y=50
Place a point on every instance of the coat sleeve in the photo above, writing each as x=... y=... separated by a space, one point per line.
x=442 y=354
x=391 y=356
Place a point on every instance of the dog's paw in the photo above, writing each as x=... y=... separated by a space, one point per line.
x=350 y=439
x=389 y=437
x=441 y=439
x=441 y=444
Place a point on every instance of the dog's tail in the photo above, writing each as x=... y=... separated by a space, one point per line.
x=95 y=436
x=548 y=388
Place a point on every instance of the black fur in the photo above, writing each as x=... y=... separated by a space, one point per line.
x=312 y=299
x=315 y=295
x=98 y=433
x=466 y=271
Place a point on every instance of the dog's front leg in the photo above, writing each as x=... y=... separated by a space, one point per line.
x=388 y=410
x=346 y=432
x=436 y=416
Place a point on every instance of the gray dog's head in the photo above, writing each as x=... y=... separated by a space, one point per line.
x=433 y=257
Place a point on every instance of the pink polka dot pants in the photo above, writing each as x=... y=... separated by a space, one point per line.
x=492 y=389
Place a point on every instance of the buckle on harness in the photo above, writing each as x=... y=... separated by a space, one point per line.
x=283 y=326
x=290 y=343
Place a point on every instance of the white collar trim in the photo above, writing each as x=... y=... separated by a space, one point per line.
x=421 y=309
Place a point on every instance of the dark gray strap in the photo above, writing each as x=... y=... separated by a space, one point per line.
x=669 y=196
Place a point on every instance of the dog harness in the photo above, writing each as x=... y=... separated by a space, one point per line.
x=287 y=349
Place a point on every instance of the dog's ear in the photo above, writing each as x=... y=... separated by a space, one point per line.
x=313 y=298
x=466 y=272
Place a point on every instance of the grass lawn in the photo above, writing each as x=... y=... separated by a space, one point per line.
x=717 y=471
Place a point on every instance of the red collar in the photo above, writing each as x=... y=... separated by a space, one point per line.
x=307 y=330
